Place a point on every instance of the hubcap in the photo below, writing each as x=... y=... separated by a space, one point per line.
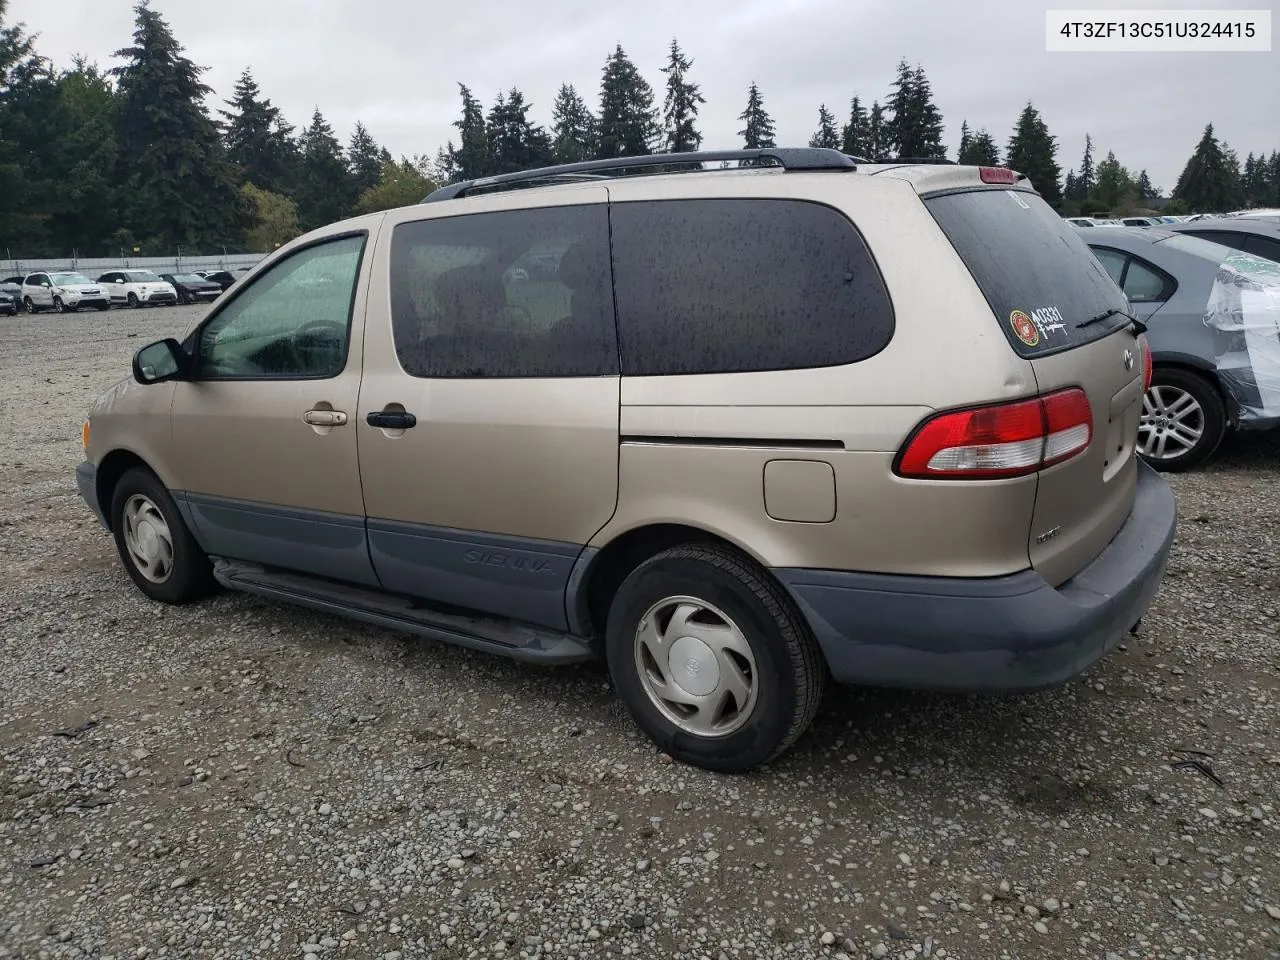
x=696 y=666
x=148 y=539
x=1172 y=423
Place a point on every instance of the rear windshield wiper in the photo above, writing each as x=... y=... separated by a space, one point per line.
x=1138 y=325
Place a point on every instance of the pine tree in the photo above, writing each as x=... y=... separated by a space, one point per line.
x=825 y=135
x=680 y=108
x=326 y=192
x=1273 y=179
x=628 y=124
x=83 y=211
x=1069 y=186
x=514 y=142
x=1032 y=151
x=1145 y=190
x=258 y=140
x=927 y=118
x=365 y=159
x=758 y=131
x=966 y=138
x=470 y=160
x=28 y=105
x=982 y=151
x=172 y=164
x=877 y=133
x=855 y=136
x=1207 y=183
x=899 y=128
x=573 y=127
x=1088 y=178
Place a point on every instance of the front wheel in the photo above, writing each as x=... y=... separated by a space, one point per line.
x=133 y=300
x=29 y=304
x=712 y=659
x=1183 y=420
x=157 y=549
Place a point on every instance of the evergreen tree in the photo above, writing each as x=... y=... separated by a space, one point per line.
x=257 y=138
x=855 y=137
x=1069 y=190
x=573 y=127
x=628 y=124
x=326 y=192
x=915 y=128
x=758 y=131
x=966 y=138
x=877 y=133
x=1115 y=189
x=982 y=151
x=1273 y=179
x=365 y=158
x=825 y=135
x=680 y=108
x=28 y=110
x=83 y=210
x=173 y=169
x=471 y=159
x=514 y=142
x=1145 y=190
x=1032 y=151
x=1088 y=178
x=442 y=168
x=1207 y=183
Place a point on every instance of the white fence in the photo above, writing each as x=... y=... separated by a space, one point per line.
x=92 y=267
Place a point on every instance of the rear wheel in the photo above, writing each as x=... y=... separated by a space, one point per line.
x=29 y=304
x=1183 y=420
x=711 y=658
x=157 y=549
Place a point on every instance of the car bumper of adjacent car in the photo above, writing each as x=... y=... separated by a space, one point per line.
x=1000 y=634
x=87 y=484
x=159 y=297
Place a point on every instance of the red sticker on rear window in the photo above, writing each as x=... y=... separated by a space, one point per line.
x=1024 y=328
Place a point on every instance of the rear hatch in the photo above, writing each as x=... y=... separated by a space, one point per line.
x=1044 y=287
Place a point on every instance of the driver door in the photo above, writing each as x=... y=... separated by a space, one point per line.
x=264 y=434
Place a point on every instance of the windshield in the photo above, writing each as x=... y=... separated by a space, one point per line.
x=142 y=276
x=1215 y=253
x=188 y=278
x=69 y=278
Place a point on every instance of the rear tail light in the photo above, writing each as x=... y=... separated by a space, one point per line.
x=1003 y=440
x=1146 y=363
x=997 y=175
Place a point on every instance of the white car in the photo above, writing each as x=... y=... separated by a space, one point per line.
x=137 y=287
x=62 y=291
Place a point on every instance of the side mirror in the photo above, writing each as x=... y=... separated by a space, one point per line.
x=160 y=361
x=119 y=280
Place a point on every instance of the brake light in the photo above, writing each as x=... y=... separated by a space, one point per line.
x=1146 y=363
x=999 y=441
x=997 y=175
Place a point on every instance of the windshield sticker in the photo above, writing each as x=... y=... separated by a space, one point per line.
x=1018 y=200
x=1024 y=328
x=1048 y=321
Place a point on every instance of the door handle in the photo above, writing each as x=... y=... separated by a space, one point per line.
x=325 y=418
x=391 y=420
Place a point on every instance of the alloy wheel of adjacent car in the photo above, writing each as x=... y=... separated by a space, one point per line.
x=1183 y=420
x=29 y=304
x=133 y=300
x=712 y=659
x=58 y=305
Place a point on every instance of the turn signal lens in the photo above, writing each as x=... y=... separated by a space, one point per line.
x=84 y=435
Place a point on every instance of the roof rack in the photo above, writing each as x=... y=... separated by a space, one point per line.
x=942 y=160
x=789 y=158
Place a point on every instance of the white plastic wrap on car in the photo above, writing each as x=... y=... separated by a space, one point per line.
x=1244 y=313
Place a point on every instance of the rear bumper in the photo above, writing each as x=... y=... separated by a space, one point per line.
x=997 y=634
x=87 y=484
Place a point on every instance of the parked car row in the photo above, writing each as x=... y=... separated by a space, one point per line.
x=70 y=290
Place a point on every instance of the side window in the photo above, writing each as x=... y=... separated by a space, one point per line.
x=292 y=323
x=1113 y=262
x=518 y=293
x=1143 y=283
x=1263 y=247
x=1227 y=238
x=735 y=285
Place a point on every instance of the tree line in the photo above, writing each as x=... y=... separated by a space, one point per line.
x=130 y=158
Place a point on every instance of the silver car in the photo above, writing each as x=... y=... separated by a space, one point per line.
x=1212 y=313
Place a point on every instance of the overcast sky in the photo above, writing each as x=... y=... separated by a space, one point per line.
x=395 y=64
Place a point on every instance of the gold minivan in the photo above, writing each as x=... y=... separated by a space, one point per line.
x=736 y=428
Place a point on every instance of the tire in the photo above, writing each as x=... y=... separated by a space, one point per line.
x=782 y=678
x=58 y=305
x=183 y=298
x=188 y=575
x=1183 y=422
x=133 y=301
x=29 y=304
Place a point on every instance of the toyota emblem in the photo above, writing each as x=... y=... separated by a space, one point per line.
x=1128 y=359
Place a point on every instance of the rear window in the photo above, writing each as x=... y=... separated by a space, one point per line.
x=1215 y=253
x=1034 y=269
x=738 y=285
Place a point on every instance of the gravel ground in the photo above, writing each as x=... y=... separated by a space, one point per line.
x=245 y=779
